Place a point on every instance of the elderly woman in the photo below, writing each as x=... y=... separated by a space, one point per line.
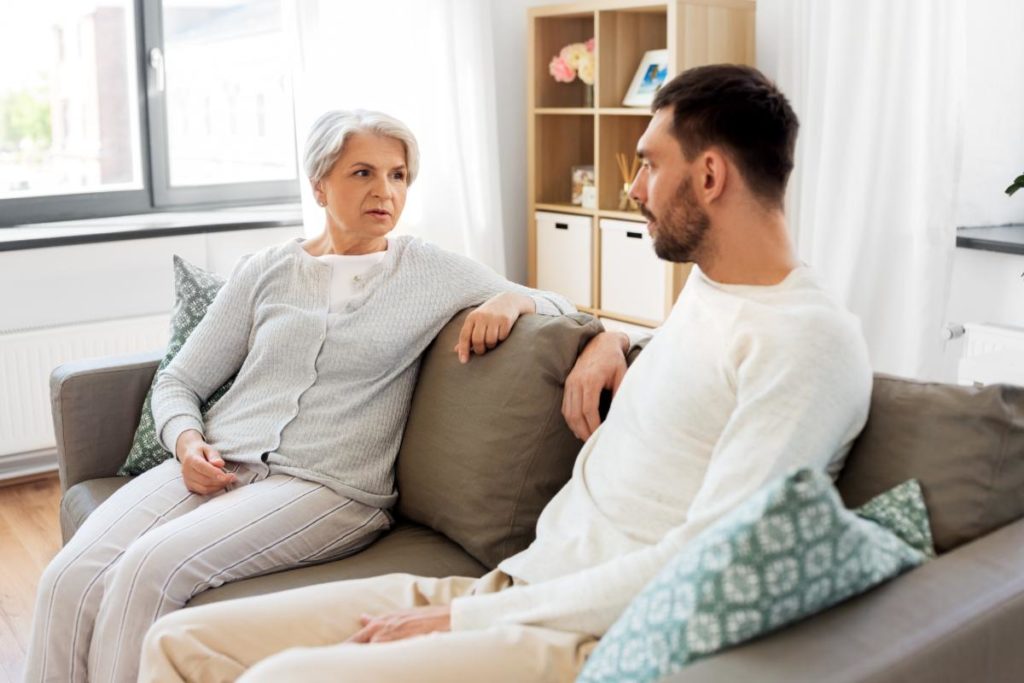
x=294 y=465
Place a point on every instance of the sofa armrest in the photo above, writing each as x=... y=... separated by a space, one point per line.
x=956 y=618
x=96 y=405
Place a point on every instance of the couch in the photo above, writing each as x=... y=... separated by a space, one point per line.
x=485 y=448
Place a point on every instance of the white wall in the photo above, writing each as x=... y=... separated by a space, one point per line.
x=108 y=280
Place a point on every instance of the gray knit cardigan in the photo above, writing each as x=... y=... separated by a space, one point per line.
x=321 y=395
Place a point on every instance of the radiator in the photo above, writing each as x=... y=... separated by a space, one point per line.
x=992 y=354
x=27 y=357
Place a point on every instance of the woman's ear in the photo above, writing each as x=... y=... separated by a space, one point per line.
x=318 y=194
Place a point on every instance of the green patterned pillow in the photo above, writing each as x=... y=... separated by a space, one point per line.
x=194 y=290
x=788 y=552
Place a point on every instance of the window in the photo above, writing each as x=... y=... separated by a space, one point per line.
x=126 y=106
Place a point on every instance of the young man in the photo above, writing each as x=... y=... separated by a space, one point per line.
x=756 y=371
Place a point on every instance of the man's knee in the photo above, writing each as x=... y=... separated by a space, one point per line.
x=292 y=664
x=176 y=648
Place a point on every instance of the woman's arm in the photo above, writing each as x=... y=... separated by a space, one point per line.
x=211 y=355
x=500 y=302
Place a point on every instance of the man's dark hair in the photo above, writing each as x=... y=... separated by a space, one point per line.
x=739 y=109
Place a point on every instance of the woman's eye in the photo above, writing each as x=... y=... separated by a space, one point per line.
x=362 y=172
x=399 y=176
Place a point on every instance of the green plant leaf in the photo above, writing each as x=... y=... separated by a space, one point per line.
x=1018 y=184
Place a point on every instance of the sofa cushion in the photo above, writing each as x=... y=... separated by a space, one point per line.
x=194 y=291
x=965 y=445
x=486 y=447
x=408 y=548
x=787 y=552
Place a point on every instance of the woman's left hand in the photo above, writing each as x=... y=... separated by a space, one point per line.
x=491 y=323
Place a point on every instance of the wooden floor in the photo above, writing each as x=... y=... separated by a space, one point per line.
x=29 y=538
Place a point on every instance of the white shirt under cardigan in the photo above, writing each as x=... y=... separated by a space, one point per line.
x=323 y=396
x=347 y=273
x=739 y=385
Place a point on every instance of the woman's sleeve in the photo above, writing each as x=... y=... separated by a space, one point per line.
x=210 y=356
x=477 y=283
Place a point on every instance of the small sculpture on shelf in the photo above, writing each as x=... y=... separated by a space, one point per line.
x=628 y=172
x=575 y=59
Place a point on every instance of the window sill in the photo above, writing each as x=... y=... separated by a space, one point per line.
x=148 y=226
x=1007 y=239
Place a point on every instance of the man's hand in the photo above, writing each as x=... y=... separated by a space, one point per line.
x=201 y=464
x=602 y=365
x=418 y=621
x=491 y=323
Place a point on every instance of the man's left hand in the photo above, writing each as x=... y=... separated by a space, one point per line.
x=401 y=625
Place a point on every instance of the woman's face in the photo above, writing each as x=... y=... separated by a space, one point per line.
x=364 y=191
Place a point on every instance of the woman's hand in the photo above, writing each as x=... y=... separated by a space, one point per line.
x=602 y=365
x=491 y=323
x=417 y=621
x=201 y=464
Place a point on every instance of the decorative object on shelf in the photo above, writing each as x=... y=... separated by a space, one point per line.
x=576 y=59
x=628 y=172
x=582 y=178
x=1018 y=184
x=650 y=76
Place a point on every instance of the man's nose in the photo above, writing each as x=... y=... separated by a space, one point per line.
x=637 y=191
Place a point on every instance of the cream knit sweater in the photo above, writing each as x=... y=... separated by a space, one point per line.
x=740 y=384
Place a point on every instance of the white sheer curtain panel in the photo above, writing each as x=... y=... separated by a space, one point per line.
x=878 y=86
x=429 y=63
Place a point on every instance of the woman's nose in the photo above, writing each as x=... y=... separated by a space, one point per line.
x=382 y=188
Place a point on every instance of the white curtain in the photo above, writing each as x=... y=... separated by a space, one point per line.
x=429 y=63
x=878 y=86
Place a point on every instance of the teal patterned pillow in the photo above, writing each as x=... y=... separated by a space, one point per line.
x=788 y=552
x=194 y=290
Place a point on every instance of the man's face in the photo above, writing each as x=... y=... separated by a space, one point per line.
x=664 y=191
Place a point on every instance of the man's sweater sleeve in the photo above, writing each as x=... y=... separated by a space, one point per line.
x=210 y=356
x=800 y=403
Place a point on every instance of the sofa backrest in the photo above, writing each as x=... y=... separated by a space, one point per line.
x=965 y=445
x=485 y=446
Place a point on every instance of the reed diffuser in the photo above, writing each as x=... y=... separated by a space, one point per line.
x=628 y=172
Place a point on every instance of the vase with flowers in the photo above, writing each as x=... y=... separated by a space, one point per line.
x=576 y=60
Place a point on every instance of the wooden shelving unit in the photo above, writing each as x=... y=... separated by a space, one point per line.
x=562 y=132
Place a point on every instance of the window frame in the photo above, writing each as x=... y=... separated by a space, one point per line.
x=156 y=194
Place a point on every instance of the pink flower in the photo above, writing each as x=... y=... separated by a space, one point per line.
x=561 y=71
x=590 y=45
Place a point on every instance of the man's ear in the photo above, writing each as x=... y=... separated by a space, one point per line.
x=714 y=173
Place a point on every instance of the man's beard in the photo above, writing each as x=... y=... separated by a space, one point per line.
x=682 y=229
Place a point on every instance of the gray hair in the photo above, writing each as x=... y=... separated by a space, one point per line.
x=332 y=130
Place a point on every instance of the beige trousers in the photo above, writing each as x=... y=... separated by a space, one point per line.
x=298 y=635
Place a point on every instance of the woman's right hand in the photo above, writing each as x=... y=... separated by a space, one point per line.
x=201 y=464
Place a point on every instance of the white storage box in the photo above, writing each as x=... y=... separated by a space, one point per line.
x=633 y=280
x=563 y=255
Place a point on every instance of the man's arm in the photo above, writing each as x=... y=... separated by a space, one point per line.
x=601 y=366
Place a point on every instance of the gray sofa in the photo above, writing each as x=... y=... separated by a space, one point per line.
x=485 y=448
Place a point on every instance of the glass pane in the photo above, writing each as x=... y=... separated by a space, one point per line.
x=68 y=114
x=229 y=106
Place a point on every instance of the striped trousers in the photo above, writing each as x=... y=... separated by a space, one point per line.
x=153 y=545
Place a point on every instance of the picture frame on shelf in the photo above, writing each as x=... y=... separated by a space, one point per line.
x=649 y=77
x=582 y=178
